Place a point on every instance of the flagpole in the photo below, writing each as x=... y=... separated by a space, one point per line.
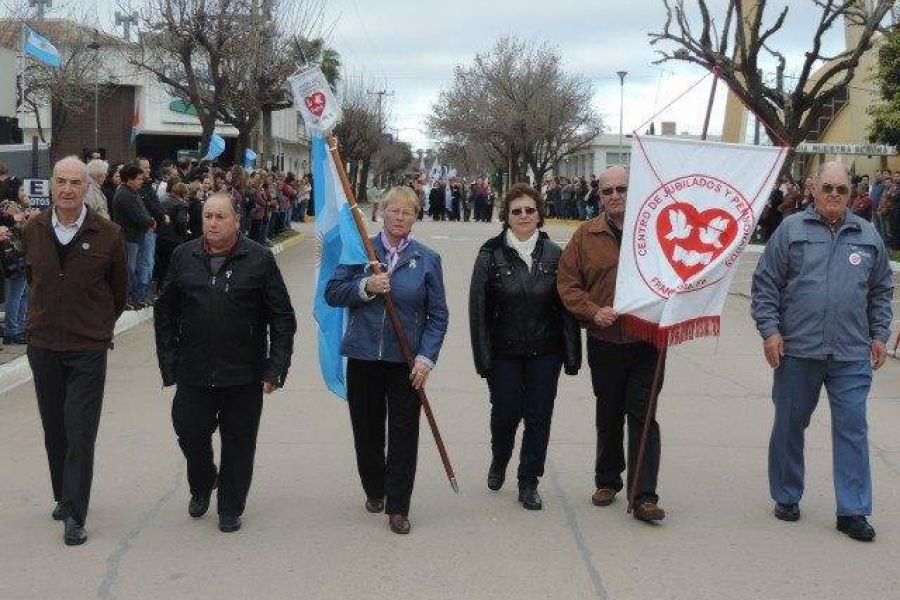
x=389 y=305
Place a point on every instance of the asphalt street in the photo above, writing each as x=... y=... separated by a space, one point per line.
x=307 y=535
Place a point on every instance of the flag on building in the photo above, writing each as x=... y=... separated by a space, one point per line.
x=39 y=47
x=135 y=119
x=338 y=242
x=692 y=208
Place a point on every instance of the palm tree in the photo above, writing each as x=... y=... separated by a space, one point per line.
x=315 y=51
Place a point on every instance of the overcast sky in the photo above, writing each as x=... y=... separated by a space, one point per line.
x=410 y=47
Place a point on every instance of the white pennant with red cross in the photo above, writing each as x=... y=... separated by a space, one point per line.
x=691 y=210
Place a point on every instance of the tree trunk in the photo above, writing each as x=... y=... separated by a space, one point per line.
x=363 y=193
x=243 y=142
x=352 y=173
x=208 y=127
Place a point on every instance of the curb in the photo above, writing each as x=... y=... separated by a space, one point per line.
x=16 y=372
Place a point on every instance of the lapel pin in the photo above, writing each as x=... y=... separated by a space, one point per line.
x=85 y=246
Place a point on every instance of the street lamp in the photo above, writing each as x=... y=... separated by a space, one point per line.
x=621 y=75
x=95 y=46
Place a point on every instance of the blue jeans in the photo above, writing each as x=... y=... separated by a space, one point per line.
x=145 y=262
x=795 y=391
x=132 y=249
x=16 y=306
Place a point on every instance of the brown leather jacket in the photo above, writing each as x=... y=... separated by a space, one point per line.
x=75 y=307
x=586 y=278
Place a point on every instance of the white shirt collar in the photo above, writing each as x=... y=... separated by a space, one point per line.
x=58 y=225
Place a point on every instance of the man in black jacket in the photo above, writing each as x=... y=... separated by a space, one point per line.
x=131 y=215
x=224 y=334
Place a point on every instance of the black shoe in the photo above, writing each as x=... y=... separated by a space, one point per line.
x=229 y=523
x=199 y=504
x=496 y=475
x=59 y=512
x=530 y=498
x=75 y=534
x=787 y=512
x=856 y=527
x=375 y=505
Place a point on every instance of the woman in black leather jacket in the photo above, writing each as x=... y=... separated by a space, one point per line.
x=521 y=337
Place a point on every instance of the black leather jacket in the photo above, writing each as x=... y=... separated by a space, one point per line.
x=225 y=329
x=514 y=308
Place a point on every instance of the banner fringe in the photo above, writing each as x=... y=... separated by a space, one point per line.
x=670 y=335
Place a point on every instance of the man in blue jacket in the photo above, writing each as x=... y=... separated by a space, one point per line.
x=822 y=302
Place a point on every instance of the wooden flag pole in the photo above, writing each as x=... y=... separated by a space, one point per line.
x=391 y=309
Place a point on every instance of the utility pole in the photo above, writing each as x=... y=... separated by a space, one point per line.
x=125 y=21
x=41 y=5
x=621 y=75
x=381 y=94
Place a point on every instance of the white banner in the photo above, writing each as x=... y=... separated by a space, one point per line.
x=692 y=207
x=315 y=101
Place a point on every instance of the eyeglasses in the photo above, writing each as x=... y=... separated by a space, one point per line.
x=840 y=190
x=619 y=189
x=528 y=210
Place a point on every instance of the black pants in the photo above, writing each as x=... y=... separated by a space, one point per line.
x=196 y=412
x=69 y=388
x=622 y=375
x=523 y=388
x=377 y=390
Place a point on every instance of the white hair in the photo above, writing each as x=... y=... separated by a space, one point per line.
x=97 y=168
x=73 y=161
x=833 y=164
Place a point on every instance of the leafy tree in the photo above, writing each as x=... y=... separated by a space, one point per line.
x=885 y=125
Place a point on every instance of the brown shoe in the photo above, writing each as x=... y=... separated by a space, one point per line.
x=399 y=524
x=604 y=496
x=375 y=505
x=649 y=511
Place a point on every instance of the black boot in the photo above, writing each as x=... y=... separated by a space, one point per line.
x=199 y=503
x=229 y=523
x=496 y=475
x=530 y=498
x=74 y=534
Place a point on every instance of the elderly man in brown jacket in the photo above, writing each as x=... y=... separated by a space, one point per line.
x=76 y=267
x=622 y=367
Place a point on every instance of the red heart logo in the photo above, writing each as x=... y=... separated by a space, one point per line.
x=315 y=103
x=690 y=239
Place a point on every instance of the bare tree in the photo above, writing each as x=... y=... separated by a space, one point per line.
x=360 y=133
x=392 y=160
x=186 y=44
x=789 y=115
x=520 y=105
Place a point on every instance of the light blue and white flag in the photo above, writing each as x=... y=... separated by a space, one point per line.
x=249 y=158
x=338 y=242
x=40 y=47
x=216 y=147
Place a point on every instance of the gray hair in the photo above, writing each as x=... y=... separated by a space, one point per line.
x=73 y=161
x=97 y=168
x=226 y=196
x=833 y=164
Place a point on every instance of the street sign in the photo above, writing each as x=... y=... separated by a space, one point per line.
x=839 y=148
x=38 y=192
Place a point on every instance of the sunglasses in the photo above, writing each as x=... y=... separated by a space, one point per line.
x=528 y=210
x=620 y=189
x=841 y=190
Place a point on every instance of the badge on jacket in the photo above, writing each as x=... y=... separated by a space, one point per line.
x=855 y=258
x=412 y=264
x=85 y=246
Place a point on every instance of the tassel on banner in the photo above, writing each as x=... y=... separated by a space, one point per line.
x=670 y=335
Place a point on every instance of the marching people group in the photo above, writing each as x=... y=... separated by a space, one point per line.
x=225 y=325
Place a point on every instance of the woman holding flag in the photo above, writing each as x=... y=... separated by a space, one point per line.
x=380 y=384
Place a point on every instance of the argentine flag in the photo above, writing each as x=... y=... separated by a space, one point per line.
x=40 y=47
x=338 y=242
